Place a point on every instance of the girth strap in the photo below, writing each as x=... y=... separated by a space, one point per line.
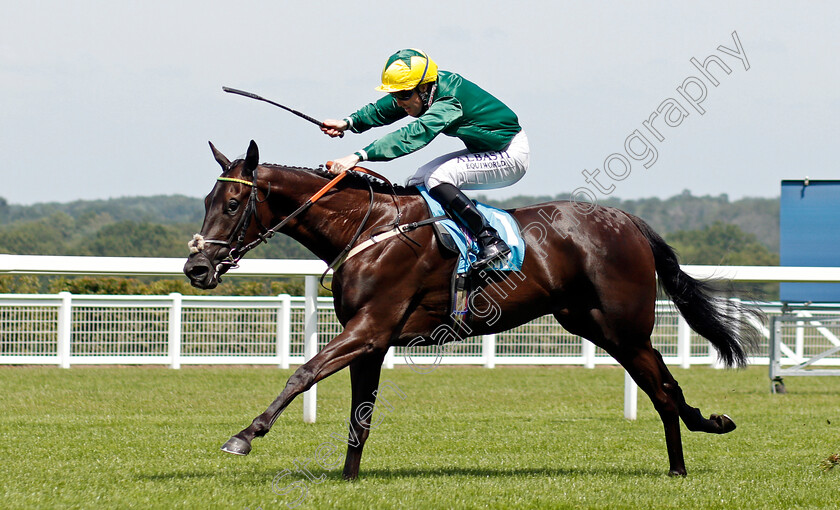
x=378 y=238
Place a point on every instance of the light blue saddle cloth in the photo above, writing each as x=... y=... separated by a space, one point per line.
x=499 y=219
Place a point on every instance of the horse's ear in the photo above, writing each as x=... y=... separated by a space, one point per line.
x=220 y=158
x=252 y=159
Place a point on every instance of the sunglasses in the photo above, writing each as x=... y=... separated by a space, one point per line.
x=403 y=95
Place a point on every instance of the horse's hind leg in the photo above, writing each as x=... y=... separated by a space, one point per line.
x=653 y=378
x=691 y=416
x=643 y=363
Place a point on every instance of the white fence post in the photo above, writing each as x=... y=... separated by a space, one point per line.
x=799 y=346
x=65 y=318
x=175 y=330
x=588 y=353
x=683 y=341
x=488 y=345
x=389 y=359
x=631 y=397
x=310 y=343
x=717 y=362
x=284 y=330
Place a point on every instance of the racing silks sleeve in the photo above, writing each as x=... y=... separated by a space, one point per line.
x=380 y=113
x=417 y=134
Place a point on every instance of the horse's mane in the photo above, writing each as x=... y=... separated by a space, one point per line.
x=355 y=180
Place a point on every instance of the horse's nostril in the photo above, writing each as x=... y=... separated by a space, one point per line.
x=198 y=271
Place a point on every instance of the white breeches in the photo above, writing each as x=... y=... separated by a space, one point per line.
x=480 y=170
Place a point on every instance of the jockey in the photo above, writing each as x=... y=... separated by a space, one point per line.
x=496 y=153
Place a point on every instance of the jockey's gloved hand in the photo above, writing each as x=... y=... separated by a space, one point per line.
x=333 y=127
x=345 y=163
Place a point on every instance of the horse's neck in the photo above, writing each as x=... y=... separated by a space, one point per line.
x=329 y=224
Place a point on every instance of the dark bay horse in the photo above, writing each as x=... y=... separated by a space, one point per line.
x=593 y=268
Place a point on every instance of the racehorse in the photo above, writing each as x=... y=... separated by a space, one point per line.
x=593 y=268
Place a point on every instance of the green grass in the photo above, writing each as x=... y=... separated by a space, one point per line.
x=464 y=437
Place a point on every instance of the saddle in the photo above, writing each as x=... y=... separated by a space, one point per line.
x=451 y=236
x=457 y=239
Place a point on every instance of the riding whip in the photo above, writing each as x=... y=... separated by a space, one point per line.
x=260 y=98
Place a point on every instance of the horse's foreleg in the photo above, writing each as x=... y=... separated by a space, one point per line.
x=364 y=378
x=348 y=346
x=651 y=376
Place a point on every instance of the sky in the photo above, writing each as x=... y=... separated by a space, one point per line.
x=114 y=99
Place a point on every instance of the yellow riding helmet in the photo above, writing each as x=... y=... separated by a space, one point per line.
x=406 y=69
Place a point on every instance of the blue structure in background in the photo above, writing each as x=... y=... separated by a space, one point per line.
x=810 y=236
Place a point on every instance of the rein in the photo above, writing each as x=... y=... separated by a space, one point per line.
x=236 y=253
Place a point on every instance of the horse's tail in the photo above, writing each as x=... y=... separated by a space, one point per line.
x=728 y=325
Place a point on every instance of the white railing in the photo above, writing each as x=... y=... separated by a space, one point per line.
x=65 y=329
x=174 y=330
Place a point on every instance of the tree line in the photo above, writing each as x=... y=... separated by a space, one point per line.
x=703 y=230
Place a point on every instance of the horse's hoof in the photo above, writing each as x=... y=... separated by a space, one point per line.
x=724 y=422
x=237 y=446
x=677 y=472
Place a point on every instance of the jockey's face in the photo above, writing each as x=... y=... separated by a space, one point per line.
x=413 y=105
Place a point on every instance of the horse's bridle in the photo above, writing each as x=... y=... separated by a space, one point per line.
x=236 y=253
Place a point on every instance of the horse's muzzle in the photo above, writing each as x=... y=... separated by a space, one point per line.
x=201 y=271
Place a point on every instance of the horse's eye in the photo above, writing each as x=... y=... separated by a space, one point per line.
x=233 y=205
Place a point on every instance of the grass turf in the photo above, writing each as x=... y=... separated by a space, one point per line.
x=463 y=437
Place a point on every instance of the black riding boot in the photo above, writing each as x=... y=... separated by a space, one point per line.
x=464 y=211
